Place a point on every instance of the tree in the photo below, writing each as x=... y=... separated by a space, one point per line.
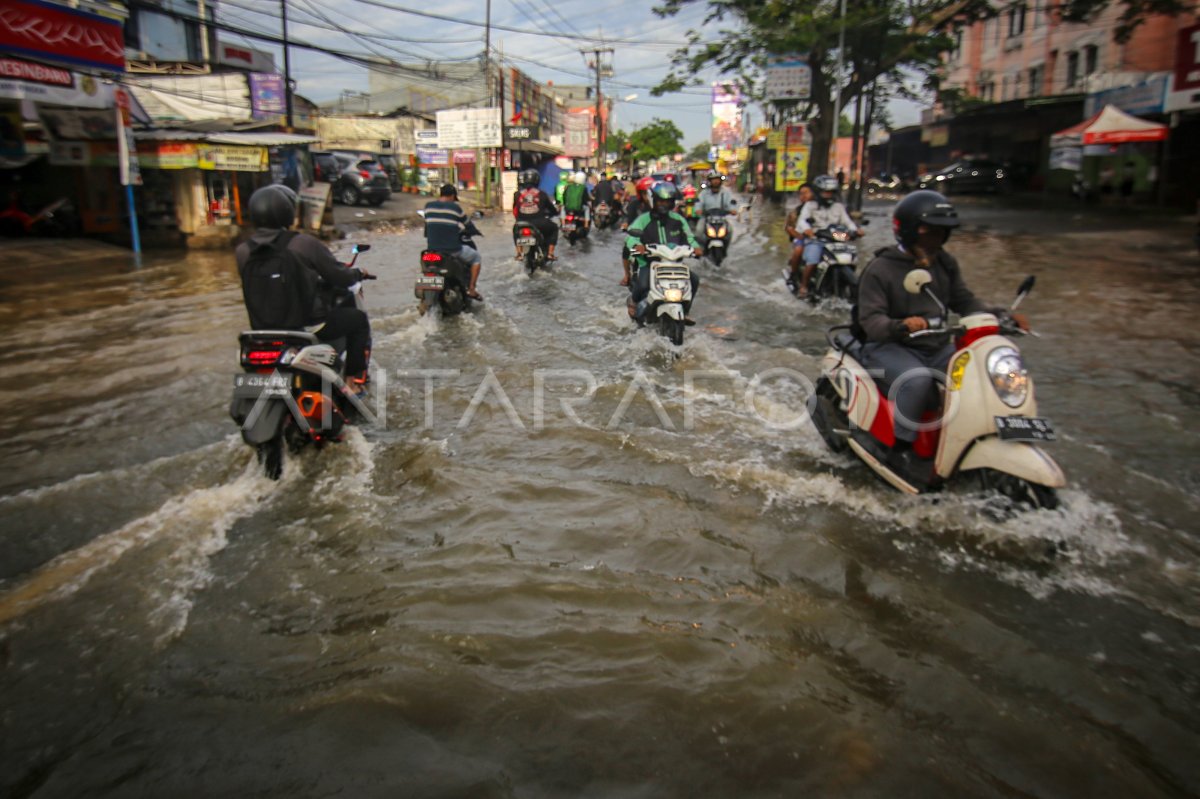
x=699 y=152
x=660 y=137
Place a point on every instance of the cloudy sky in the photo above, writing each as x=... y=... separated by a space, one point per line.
x=542 y=37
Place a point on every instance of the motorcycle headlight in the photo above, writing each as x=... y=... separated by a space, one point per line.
x=712 y=231
x=721 y=233
x=1009 y=376
x=841 y=235
x=673 y=295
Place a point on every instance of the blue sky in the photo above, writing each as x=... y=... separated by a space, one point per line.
x=641 y=58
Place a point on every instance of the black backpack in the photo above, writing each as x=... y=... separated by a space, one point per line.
x=275 y=286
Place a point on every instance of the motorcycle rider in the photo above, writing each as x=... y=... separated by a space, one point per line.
x=814 y=215
x=564 y=178
x=532 y=206
x=272 y=210
x=888 y=315
x=639 y=204
x=659 y=225
x=803 y=195
x=575 y=199
x=445 y=222
x=605 y=192
x=717 y=200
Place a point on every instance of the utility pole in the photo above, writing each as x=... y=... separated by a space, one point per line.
x=601 y=142
x=837 y=101
x=287 y=63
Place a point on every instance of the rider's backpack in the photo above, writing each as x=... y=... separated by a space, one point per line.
x=529 y=202
x=573 y=197
x=277 y=291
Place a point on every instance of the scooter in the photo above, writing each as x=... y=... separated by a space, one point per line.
x=603 y=216
x=988 y=430
x=533 y=244
x=835 y=275
x=574 y=227
x=444 y=278
x=670 y=290
x=718 y=237
x=292 y=390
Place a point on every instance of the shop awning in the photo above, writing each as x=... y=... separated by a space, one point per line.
x=1110 y=126
x=263 y=139
x=532 y=146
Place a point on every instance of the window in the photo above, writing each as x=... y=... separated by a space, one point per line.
x=1039 y=14
x=1072 y=68
x=1036 y=76
x=1016 y=21
x=1091 y=57
x=956 y=53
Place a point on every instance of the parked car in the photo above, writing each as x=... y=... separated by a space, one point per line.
x=967 y=175
x=354 y=177
x=386 y=160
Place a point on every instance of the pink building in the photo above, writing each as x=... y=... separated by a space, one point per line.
x=1026 y=51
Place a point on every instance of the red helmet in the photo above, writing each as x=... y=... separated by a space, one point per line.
x=645 y=183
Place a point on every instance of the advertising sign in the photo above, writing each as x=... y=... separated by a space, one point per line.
x=169 y=155
x=23 y=80
x=521 y=132
x=1146 y=97
x=577 y=143
x=129 y=169
x=315 y=201
x=788 y=77
x=267 y=97
x=791 y=169
x=1185 y=83
x=62 y=35
x=1066 y=158
x=231 y=158
x=467 y=128
x=464 y=156
x=727 y=115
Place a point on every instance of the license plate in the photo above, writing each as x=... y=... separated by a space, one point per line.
x=252 y=386
x=526 y=241
x=568 y=227
x=1024 y=428
x=716 y=243
x=431 y=282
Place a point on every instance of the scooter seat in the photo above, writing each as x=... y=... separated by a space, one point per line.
x=847 y=343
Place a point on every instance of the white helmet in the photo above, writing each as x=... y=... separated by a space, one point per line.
x=579 y=177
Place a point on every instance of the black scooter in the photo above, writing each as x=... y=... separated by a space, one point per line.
x=444 y=278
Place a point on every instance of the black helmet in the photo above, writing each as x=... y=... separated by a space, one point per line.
x=922 y=208
x=530 y=177
x=663 y=196
x=273 y=206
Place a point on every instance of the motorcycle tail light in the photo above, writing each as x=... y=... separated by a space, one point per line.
x=431 y=257
x=262 y=357
x=526 y=231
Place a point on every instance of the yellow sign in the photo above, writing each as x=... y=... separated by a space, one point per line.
x=775 y=140
x=791 y=168
x=231 y=158
x=742 y=153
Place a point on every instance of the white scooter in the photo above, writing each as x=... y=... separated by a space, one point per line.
x=670 y=290
x=988 y=427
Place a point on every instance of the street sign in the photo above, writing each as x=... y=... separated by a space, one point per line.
x=521 y=132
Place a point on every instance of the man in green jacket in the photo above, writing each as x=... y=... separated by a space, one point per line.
x=660 y=225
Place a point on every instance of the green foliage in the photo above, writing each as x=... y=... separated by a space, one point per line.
x=659 y=138
x=699 y=152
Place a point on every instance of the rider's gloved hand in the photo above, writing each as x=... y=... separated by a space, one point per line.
x=640 y=249
x=915 y=323
x=1022 y=321
x=697 y=251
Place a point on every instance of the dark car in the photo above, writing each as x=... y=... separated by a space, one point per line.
x=386 y=160
x=354 y=177
x=967 y=175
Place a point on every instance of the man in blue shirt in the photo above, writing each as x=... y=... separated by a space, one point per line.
x=444 y=226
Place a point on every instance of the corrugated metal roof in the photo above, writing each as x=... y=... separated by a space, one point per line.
x=262 y=139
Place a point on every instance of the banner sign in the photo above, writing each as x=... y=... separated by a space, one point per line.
x=521 y=132
x=169 y=155
x=1139 y=99
x=62 y=35
x=267 y=97
x=793 y=136
x=788 y=77
x=467 y=128
x=1067 y=158
x=1185 y=83
x=428 y=156
x=726 y=115
x=464 y=156
x=22 y=80
x=128 y=167
x=577 y=142
x=791 y=169
x=231 y=158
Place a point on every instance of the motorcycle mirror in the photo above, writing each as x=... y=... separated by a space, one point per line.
x=916 y=280
x=477 y=215
x=361 y=248
x=421 y=212
x=1026 y=285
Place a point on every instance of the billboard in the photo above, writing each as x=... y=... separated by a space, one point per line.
x=788 y=77
x=577 y=142
x=727 y=115
x=467 y=128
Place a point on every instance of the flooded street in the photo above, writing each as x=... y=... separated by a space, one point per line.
x=571 y=563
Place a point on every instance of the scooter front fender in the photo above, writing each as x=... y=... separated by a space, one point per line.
x=261 y=425
x=671 y=309
x=1018 y=458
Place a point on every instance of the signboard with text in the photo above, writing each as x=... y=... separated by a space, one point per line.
x=521 y=132
x=788 y=77
x=791 y=169
x=577 y=141
x=62 y=35
x=231 y=158
x=467 y=128
x=1184 y=92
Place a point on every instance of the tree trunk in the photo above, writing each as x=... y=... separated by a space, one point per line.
x=821 y=128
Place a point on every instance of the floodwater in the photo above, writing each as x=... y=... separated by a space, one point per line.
x=571 y=562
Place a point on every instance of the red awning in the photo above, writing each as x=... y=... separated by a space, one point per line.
x=1110 y=126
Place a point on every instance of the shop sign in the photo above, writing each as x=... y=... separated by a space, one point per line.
x=231 y=158
x=791 y=169
x=776 y=140
x=521 y=132
x=267 y=97
x=169 y=155
x=62 y=35
x=22 y=80
x=1185 y=83
x=430 y=157
x=1146 y=97
x=464 y=156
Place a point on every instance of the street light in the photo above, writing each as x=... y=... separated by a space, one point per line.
x=629 y=98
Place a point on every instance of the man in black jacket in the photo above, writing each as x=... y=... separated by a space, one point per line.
x=889 y=315
x=272 y=210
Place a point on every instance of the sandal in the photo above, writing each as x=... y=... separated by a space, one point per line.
x=624 y=282
x=475 y=295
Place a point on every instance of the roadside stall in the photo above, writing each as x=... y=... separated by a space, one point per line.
x=1112 y=154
